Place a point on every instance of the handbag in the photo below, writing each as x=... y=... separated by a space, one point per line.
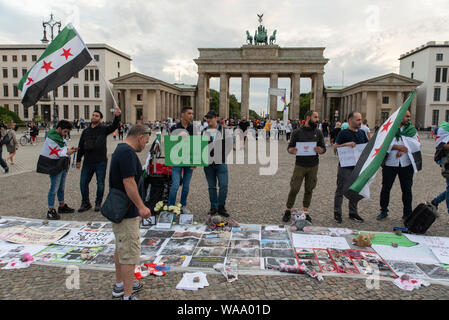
x=116 y=205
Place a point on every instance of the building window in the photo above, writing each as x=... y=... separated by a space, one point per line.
x=97 y=74
x=24 y=72
x=65 y=91
x=57 y=111
x=5 y=73
x=5 y=58
x=14 y=58
x=6 y=106
x=96 y=57
x=16 y=109
x=412 y=75
x=118 y=74
x=86 y=112
x=97 y=92
x=76 y=92
x=66 y=111
x=435 y=117
x=35 y=111
x=97 y=108
x=444 y=79
x=385 y=100
x=413 y=64
x=14 y=73
x=447 y=116
x=25 y=112
x=436 y=94
x=439 y=57
x=34 y=58
x=118 y=64
x=76 y=112
x=139 y=97
x=55 y=93
x=24 y=58
x=91 y=75
x=86 y=91
x=76 y=75
x=438 y=75
x=15 y=91
x=86 y=75
x=5 y=90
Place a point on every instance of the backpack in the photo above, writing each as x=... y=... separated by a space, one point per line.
x=6 y=139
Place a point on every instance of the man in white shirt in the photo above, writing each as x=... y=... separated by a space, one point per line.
x=365 y=128
x=400 y=161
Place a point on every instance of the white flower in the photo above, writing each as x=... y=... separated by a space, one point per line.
x=179 y=205
x=165 y=208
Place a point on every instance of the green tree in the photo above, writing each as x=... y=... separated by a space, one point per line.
x=304 y=100
x=214 y=100
x=7 y=116
x=234 y=107
x=253 y=115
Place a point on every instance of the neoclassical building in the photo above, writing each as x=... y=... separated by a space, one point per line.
x=376 y=99
x=143 y=98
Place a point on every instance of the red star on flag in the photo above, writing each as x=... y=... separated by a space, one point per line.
x=29 y=81
x=385 y=126
x=437 y=137
x=66 y=53
x=47 y=66
x=377 y=151
x=54 y=151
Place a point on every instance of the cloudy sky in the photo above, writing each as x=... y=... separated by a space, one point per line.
x=363 y=38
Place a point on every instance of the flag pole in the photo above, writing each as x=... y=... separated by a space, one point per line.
x=106 y=83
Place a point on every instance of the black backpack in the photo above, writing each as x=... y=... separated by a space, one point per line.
x=5 y=140
x=421 y=218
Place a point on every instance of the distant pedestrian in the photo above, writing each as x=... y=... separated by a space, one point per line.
x=2 y=162
x=366 y=129
x=13 y=144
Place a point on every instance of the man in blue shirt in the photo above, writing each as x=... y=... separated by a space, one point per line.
x=349 y=137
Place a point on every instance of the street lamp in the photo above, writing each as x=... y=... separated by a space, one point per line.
x=51 y=24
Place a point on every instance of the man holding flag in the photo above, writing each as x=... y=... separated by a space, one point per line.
x=442 y=158
x=400 y=161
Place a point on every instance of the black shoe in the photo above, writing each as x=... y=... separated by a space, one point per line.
x=382 y=215
x=85 y=207
x=65 y=209
x=308 y=218
x=287 y=216
x=6 y=170
x=97 y=207
x=222 y=212
x=53 y=215
x=118 y=292
x=431 y=202
x=213 y=211
x=337 y=217
x=356 y=218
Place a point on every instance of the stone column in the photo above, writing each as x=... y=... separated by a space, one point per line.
x=378 y=108
x=163 y=96
x=295 y=102
x=207 y=105
x=363 y=106
x=201 y=102
x=224 y=91
x=245 y=95
x=399 y=99
x=319 y=93
x=145 y=107
x=356 y=102
x=127 y=105
x=117 y=98
x=158 y=105
x=327 y=109
x=273 y=99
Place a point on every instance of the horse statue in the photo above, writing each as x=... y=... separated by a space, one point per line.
x=261 y=35
x=273 y=37
x=249 y=39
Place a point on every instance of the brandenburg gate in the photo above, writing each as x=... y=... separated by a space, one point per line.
x=260 y=61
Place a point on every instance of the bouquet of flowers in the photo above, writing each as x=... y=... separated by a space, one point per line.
x=162 y=206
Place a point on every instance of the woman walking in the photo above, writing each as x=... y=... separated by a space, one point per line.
x=13 y=143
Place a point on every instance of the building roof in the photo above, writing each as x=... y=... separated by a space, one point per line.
x=43 y=46
x=430 y=44
x=139 y=78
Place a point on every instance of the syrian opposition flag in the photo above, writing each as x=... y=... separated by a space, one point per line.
x=64 y=57
x=442 y=135
x=374 y=153
x=53 y=158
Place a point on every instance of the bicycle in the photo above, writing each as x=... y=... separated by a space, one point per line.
x=25 y=139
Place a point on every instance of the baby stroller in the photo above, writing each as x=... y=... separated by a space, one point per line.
x=157 y=177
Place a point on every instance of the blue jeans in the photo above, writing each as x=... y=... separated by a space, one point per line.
x=213 y=173
x=443 y=196
x=87 y=173
x=57 y=185
x=176 y=181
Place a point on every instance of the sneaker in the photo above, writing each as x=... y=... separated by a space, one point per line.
x=131 y=297
x=53 y=215
x=308 y=218
x=356 y=217
x=287 y=216
x=212 y=211
x=6 y=170
x=119 y=292
x=185 y=210
x=382 y=216
x=97 y=207
x=223 y=212
x=337 y=217
x=65 y=209
x=85 y=207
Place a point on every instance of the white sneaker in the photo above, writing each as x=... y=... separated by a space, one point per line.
x=185 y=210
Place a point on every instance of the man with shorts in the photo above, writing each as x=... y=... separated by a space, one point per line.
x=124 y=174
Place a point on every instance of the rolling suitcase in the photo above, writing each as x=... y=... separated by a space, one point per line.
x=421 y=218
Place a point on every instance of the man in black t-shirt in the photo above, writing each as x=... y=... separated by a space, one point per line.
x=348 y=138
x=125 y=173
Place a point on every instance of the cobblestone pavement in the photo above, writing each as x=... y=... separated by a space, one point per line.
x=252 y=198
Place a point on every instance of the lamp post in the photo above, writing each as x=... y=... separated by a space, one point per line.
x=51 y=24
